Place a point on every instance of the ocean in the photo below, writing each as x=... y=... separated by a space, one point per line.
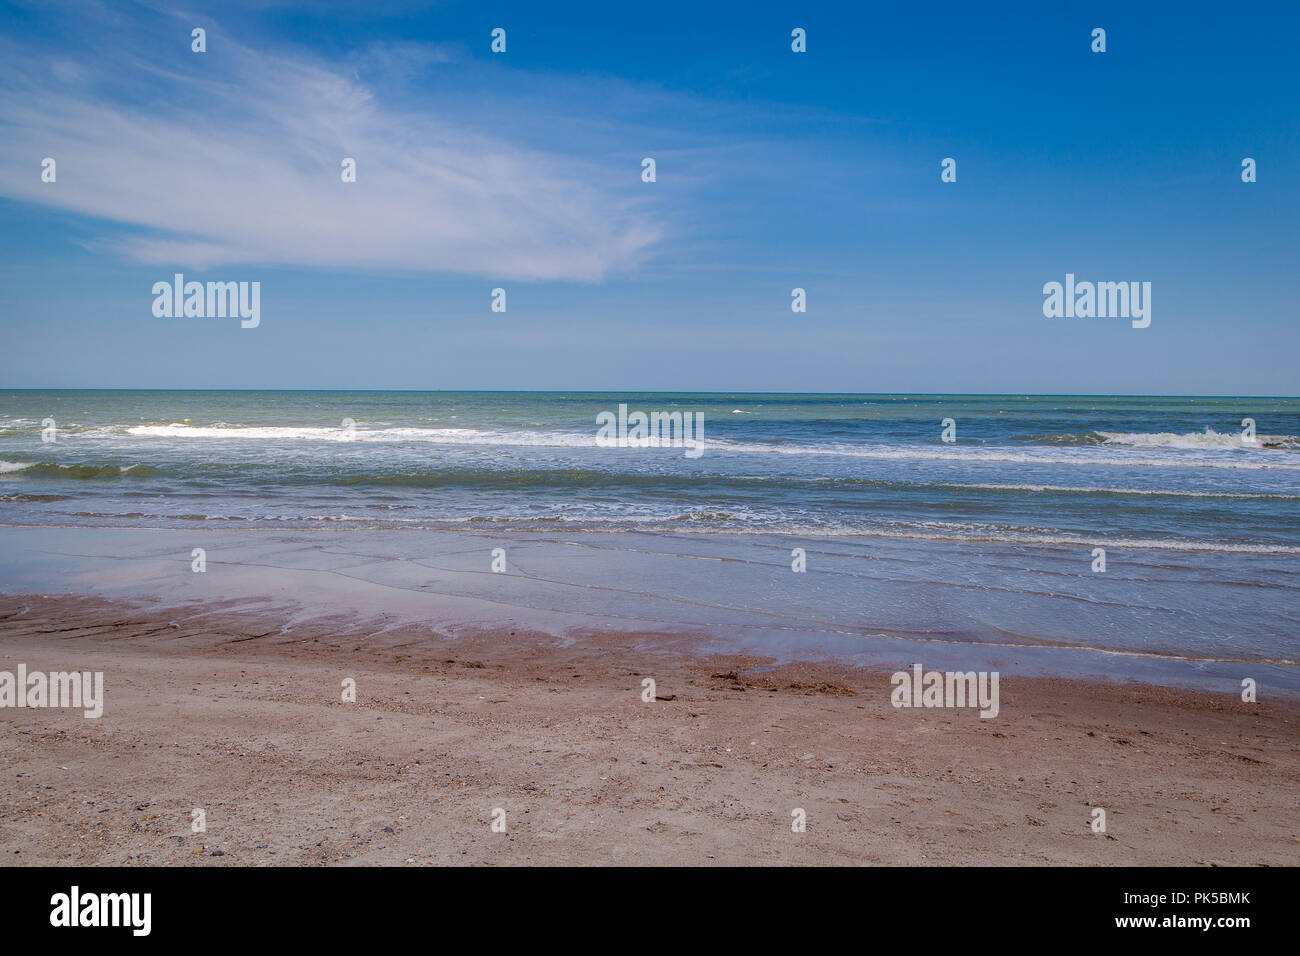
x=988 y=539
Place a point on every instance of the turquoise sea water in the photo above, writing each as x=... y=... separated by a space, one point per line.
x=1170 y=472
x=987 y=536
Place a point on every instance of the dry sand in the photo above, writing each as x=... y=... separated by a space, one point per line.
x=221 y=708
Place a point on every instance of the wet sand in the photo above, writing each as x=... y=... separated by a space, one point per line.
x=236 y=709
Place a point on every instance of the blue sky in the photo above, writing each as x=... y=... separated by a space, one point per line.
x=775 y=170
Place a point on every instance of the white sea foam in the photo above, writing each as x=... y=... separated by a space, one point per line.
x=1159 y=492
x=1118 y=444
x=1206 y=440
x=8 y=466
x=958 y=532
x=1052 y=539
x=1012 y=486
x=441 y=436
x=1047 y=456
x=742 y=523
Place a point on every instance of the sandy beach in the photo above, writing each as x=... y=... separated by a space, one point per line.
x=435 y=435
x=238 y=712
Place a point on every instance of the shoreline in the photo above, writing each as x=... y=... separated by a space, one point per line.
x=879 y=604
x=236 y=709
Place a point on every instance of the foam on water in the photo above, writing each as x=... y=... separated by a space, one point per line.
x=1209 y=439
x=990 y=536
x=1153 y=471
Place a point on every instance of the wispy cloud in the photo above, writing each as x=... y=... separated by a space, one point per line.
x=233 y=157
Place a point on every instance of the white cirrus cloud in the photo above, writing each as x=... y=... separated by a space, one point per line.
x=236 y=160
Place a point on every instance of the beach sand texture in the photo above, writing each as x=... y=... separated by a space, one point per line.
x=221 y=708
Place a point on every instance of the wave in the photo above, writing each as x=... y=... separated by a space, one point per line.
x=1095 y=448
x=703 y=522
x=83 y=472
x=953 y=531
x=1208 y=439
x=1153 y=492
x=590 y=478
x=1068 y=439
x=984 y=454
x=538 y=478
x=714 y=522
x=441 y=436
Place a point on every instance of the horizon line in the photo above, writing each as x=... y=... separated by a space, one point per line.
x=608 y=391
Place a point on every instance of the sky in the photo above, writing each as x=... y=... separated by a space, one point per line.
x=775 y=170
